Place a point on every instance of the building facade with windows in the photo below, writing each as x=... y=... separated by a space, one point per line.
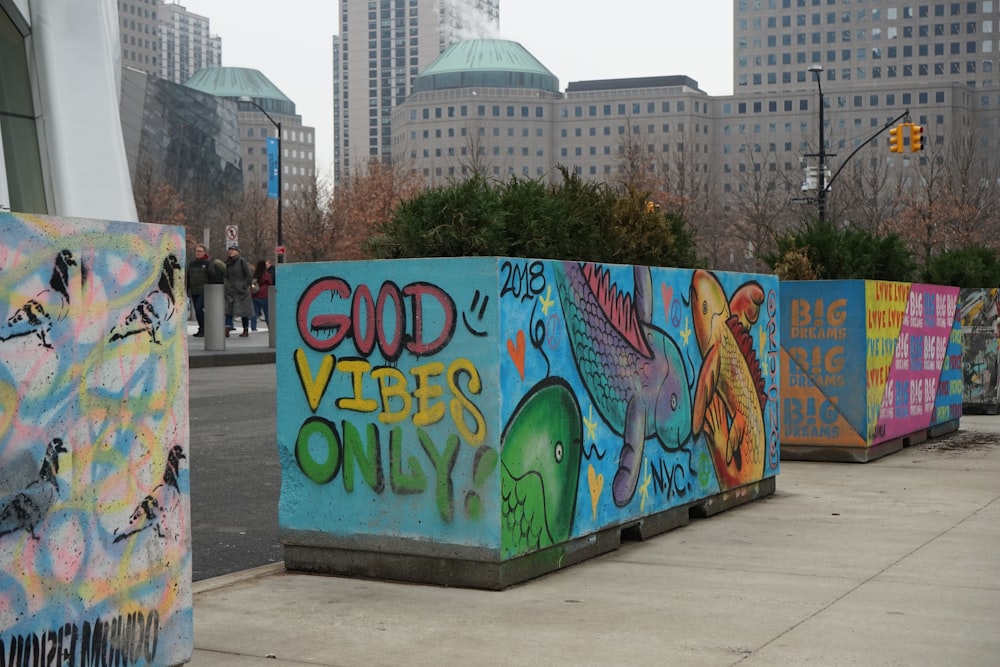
x=489 y=107
x=381 y=48
x=185 y=137
x=166 y=40
x=139 y=25
x=863 y=43
x=186 y=43
x=484 y=106
x=298 y=142
x=873 y=61
x=878 y=62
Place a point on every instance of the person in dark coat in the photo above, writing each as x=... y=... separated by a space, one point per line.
x=201 y=271
x=238 y=300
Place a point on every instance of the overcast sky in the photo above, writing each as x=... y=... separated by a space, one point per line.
x=290 y=43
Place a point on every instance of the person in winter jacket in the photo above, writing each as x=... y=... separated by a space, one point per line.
x=238 y=300
x=264 y=279
x=201 y=271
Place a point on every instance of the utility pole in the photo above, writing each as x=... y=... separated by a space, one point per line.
x=822 y=185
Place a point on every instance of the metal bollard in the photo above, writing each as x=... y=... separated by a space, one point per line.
x=272 y=296
x=215 y=318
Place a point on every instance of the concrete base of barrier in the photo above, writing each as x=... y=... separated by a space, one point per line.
x=446 y=565
x=943 y=429
x=864 y=454
x=840 y=454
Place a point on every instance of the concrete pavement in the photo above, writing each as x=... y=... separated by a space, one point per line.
x=894 y=562
x=238 y=351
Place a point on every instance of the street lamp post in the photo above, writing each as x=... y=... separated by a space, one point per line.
x=281 y=245
x=821 y=172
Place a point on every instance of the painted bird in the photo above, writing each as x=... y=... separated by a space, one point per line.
x=25 y=508
x=541 y=449
x=37 y=315
x=152 y=511
x=152 y=312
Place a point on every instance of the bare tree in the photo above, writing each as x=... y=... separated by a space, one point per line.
x=761 y=203
x=255 y=217
x=475 y=157
x=682 y=181
x=363 y=202
x=307 y=232
x=156 y=201
x=868 y=191
x=926 y=204
x=972 y=183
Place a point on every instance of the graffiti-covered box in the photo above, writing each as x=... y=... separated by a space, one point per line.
x=95 y=545
x=980 y=359
x=480 y=421
x=868 y=367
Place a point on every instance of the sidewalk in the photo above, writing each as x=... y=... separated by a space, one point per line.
x=238 y=351
x=893 y=562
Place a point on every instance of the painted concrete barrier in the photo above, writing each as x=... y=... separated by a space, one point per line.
x=481 y=421
x=980 y=360
x=95 y=546
x=868 y=367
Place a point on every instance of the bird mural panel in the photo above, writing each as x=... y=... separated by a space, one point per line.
x=37 y=315
x=25 y=499
x=154 y=510
x=155 y=309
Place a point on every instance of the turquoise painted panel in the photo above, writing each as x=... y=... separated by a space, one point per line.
x=387 y=399
x=542 y=400
x=646 y=357
x=950 y=394
x=95 y=545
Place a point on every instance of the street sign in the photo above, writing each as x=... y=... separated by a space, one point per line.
x=280 y=250
x=232 y=235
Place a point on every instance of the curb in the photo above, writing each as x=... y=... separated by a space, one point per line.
x=224 y=580
x=234 y=358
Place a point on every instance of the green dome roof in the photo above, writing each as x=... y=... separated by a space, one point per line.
x=239 y=81
x=486 y=63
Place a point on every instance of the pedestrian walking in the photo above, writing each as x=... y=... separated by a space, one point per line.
x=262 y=280
x=201 y=271
x=239 y=303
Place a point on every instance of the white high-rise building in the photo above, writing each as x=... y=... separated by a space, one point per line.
x=186 y=43
x=138 y=23
x=381 y=48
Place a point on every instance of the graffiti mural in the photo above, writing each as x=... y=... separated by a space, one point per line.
x=980 y=314
x=898 y=340
x=95 y=560
x=498 y=406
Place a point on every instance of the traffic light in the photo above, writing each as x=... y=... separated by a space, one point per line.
x=916 y=138
x=896 y=139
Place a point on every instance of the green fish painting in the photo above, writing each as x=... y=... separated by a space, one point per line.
x=542 y=446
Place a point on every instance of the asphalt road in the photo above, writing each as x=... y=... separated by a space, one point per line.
x=235 y=475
